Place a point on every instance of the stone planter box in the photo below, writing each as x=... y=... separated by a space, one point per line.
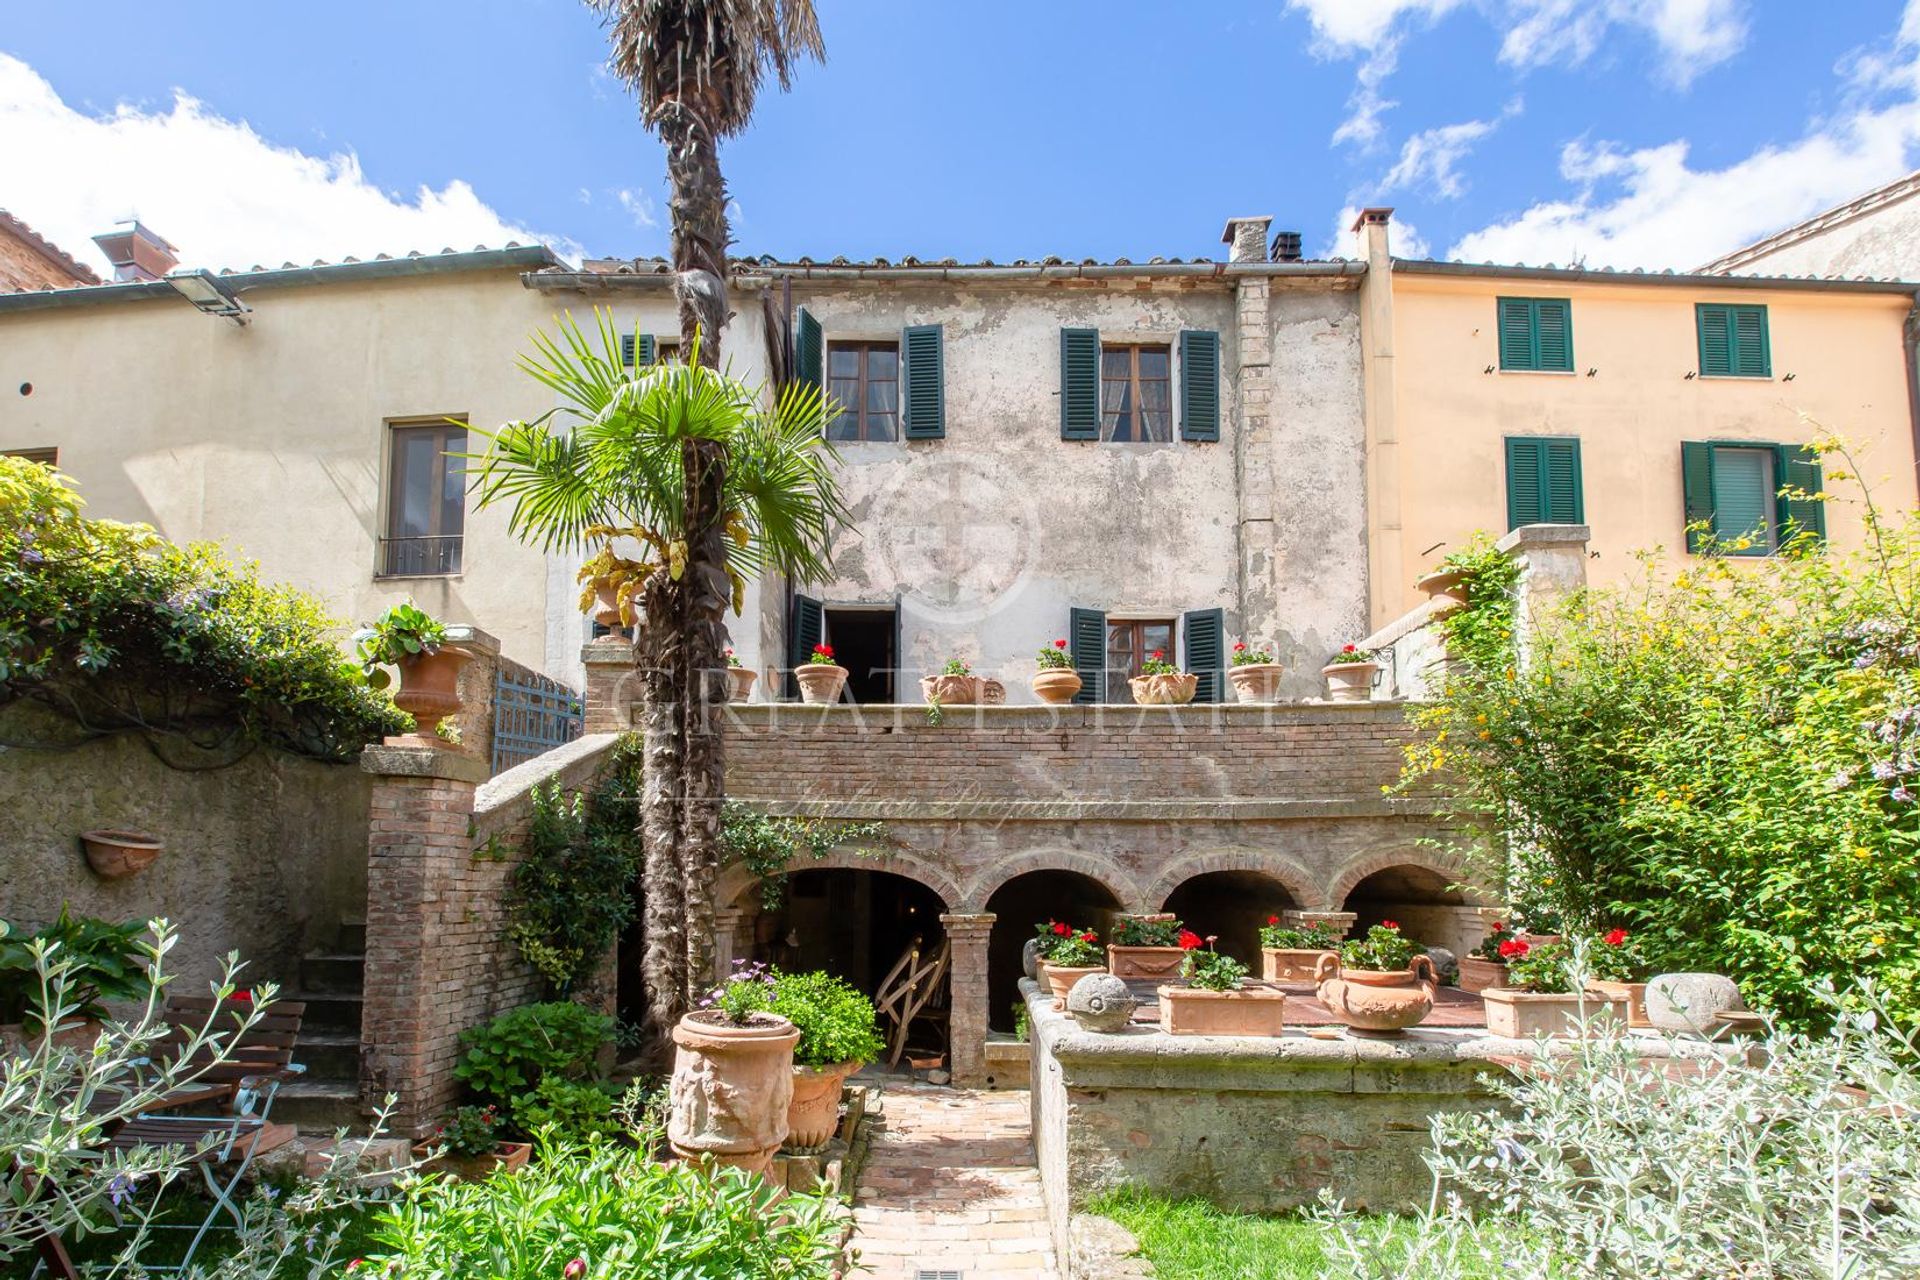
x=1251 y=1011
x=1290 y=964
x=1477 y=974
x=1522 y=1015
x=1634 y=993
x=1134 y=963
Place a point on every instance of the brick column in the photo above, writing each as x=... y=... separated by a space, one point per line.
x=1553 y=565
x=613 y=684
x=967 y=997
x=418 y=845
x=726 y=940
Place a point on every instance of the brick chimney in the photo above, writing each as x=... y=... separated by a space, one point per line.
x=137 y=253
x=1247 y=238
x=1371 y=226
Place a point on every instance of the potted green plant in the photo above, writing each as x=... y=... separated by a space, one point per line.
x=1148 y=947
x=470 y=1146
x=1378 y=985
x=1485 y=967
x=414 y=641
x=102 y=961
x=1075 y=953
x=1616 y=969
x=1350 y=674
x=1255 y=676
x=838 y=1034
x=821 y=678
x=955 y=686
x=732 y=1075
x=741 y=677
x=1546 y=995
x=1216 y=1000
x=609 y=583
x=1160 y=683
x=1056 y=682
x=1289 y=954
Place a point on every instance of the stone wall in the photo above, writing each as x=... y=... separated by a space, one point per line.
x=265 y=857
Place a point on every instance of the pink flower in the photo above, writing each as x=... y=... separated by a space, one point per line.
x=575 y=1269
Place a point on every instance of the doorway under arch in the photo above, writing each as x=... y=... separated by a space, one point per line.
x=1022 y=904
x=1230 y=905
x=1421 y=900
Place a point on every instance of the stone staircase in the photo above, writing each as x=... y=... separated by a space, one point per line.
x=331 y=981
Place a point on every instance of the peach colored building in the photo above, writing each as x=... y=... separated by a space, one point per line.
x=1631 y=402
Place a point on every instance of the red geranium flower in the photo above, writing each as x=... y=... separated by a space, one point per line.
x=1060 y=930
x=1513 y=947
x=1089 y=936
x=1159 y=654
x=1059 y=644
x=1352 y=648
x=825 y=650
x=1388 y=924
x=1191 y=941
x=1240 y=646
x=243 y=997
x=1499 y=926
x=1273 y=919
x=1616 y=937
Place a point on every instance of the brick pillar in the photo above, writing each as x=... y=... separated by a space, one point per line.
x=967 y=997
x=1553 y=564
x=727 y=924
x=613 y=684
x=418 y=843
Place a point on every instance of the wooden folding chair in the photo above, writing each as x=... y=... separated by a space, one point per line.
x=912 y=983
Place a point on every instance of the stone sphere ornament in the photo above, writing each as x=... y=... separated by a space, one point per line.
x=1102 y=1002
x=1691 y=1003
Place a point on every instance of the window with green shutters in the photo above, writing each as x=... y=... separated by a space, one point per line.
x=1087 y=642
x=638 y=350
x=1536 y=334
x=1079 y=384
x=1205 y=633
x=1743 y=489
x=1199 y=384
x=1543 y=481
x=809 y=350
x=1733 y=340
x=923 y=387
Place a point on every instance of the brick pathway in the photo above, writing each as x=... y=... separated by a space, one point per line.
x=950 y=1185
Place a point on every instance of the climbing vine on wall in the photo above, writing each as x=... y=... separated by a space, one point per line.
x=768 y=845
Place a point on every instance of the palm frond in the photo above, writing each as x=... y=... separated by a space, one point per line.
x=669 y=51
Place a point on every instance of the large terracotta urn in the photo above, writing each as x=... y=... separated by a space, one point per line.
x=1056 y=685
x=732 y=1087
x=1377 y=1003
x=1164 y=691
x=741 y=679
x=814 y=1113
x=950 y=691
x=1256 y=681
x=606 y=605
x=430 y=686
x=820 y=681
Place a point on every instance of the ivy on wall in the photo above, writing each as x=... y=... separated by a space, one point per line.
x=768 y=845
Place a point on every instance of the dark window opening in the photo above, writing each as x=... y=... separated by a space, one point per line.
x=863 y=642
x=1129 y=644
x=51 y=457
x=864 y=379
x=1136 y=393
x=426 y=500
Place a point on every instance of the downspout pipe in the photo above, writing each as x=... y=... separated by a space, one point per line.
x=1910 y=333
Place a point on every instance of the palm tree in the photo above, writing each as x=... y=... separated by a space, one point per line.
x=609 y=463
x=696 y=67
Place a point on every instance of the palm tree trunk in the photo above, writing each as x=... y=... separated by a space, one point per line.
x=663 y=961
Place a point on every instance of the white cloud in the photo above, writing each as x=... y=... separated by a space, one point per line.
x=222 y=194
x=1407 y=242
x=1347 y=26
x=639 y=206
x=1430 y=159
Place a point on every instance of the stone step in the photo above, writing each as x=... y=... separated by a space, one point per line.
x=353 y=936
x=319 y=1106
x=337 y=972
x=329 y=1055
x=330 y=1011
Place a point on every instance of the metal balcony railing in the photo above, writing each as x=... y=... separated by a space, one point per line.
x=416 y=557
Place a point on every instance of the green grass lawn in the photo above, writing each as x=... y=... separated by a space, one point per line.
x=187 y=1208
x=1192 y=1240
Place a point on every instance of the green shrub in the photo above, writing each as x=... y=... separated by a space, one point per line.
x=615 y=1210
x=767 y=844
x=517 y=1050
x=112 y=626
x=836 y=1021
x=1135 y=932
x=1383 y=948
x=100 y=961
x=1212 y=971
x=571 y=1109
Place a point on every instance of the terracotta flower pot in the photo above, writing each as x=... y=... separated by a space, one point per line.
x=814 y=1113
x=992 y=692
x=606 y=605
x=1250 y=1011
x=1056 y=685
x=1634 y=993
x=1145 y=962
x=1256 y=681
x=742 y=679
x=1478 y=974
x=1448 y=583
x=952 y=691
x=1377 y=1002
x=1522 y=1015
x=1060 y=980
x=1161 y=691
x=820 y=681
x=1291 y=964
x=430 y=686
x=1350 y=681
x=114 y=855
x=505 y=1158
x=731 y=1088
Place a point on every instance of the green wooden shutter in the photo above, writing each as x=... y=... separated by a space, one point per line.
x=1526 y=486
x=1751 y=356
x=809 y=350
x=1515 y=321
x=1563 y=501
x=649 y=352
x=1696 y=484
x=1715 y=323
x=1087 y=639
x=1080 y=384
x=1553 y=334
x=1799 y=468
x=1206 y=641
x=923 y=391
x=1199 y=384
x=627 y=341
x=806 y=624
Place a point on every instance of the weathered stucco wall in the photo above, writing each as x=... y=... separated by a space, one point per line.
x=265 y=857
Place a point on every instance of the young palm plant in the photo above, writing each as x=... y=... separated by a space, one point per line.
x=609 y=463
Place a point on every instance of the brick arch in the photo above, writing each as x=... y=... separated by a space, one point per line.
x=1099 y=870
x=1287 y=872
x=1360 y=868
x=736 y=878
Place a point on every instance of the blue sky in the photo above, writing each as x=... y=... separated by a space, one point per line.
x=1618 y=132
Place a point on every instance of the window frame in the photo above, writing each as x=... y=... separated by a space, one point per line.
x=1137 y=625
x=397 y=430
x=1133 y=383
x=1769 y=498
x=46 y=455
x=865 y=346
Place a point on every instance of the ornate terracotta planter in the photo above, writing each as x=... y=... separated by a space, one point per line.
x=1443 y=583
x=1145 y=962
x=505 y=1158
x=1061 y=980
x=731 y=1088
x=1056 y=686
x=1377 y=1003
x=742 y=678
x=606 y=605
x=1634 y=993
x=1251 y=1011
x=1478 y=974
x=1350 y=681
x=814 y=1113
x=952 y=691
x=1163 y=691
x=1523 y=1015
x=114 y=855
x=430 y=687
x=1256 y=681
x=1291 y=964
x=820 y=681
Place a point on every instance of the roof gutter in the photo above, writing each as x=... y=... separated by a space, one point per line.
x=1689 y=280
x=763 y=277
x=520 y=257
